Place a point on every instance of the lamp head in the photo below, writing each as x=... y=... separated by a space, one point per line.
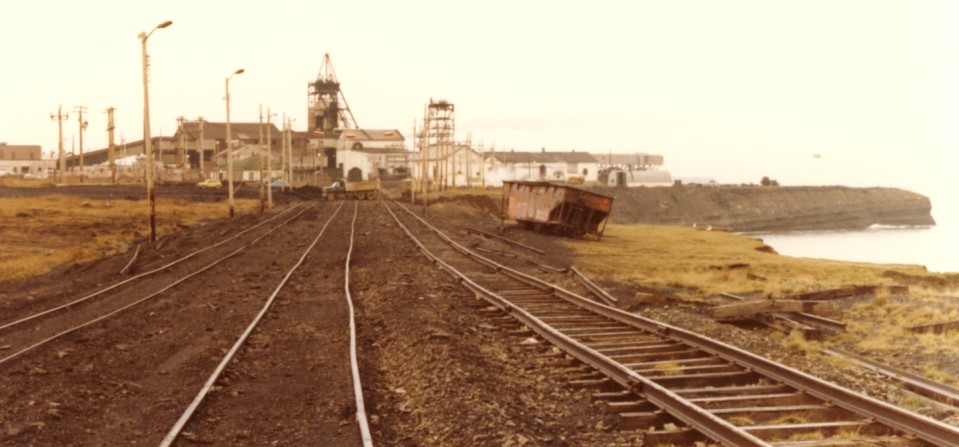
x=165 y=24
x=239 y=71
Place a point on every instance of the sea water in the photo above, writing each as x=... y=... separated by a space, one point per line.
x=935 y=247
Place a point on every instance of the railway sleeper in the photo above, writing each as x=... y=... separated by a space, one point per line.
x=682 y=362
x=645 y=420
x=522 y=331
x=741 y=377
x=677 y=436
x=736 y=391
x=746 y=416
x=610 y=336
x=576 y=330
x=580 y=376
x=679 y=353
x=634 y=348
x=560 y=321
x=879 y=441
x=629 y=406
x=640 y=352
x=636 y=341
x=826 y=429
x=602 y=384
x=675 y=371
x=620 y=395
x=774 y=399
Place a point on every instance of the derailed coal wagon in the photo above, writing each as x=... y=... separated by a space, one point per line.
x=556 y=208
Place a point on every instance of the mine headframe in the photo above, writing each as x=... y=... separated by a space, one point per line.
x=328 y=109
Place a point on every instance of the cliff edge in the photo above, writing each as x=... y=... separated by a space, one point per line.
x=770 y=208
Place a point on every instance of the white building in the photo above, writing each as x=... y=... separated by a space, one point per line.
x=632 y=170
x=371 y=153
x=569 y=167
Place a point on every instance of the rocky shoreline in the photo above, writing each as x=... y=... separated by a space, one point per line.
x=770 y=208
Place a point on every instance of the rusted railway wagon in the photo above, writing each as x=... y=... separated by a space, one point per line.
x=556 y=208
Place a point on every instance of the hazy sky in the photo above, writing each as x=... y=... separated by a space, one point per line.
x=733 y=90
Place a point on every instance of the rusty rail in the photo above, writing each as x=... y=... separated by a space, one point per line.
x=592 y=287
x=912 y=424
x=505 y=240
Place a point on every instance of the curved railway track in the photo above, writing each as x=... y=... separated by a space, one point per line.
x=39 y=328
x=679 y=386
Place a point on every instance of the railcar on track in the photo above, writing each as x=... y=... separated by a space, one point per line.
x=556 y=208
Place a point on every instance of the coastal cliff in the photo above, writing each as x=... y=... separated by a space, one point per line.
x=770 y=208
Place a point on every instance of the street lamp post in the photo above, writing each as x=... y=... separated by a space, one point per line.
x=147 y=143
x=229 y=155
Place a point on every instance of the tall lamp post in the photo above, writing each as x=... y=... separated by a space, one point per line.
x=147 y=143
x=229 y=155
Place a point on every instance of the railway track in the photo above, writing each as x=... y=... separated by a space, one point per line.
x=38 y=328
x=676 y=385
x=116 y=381
x=299 y=373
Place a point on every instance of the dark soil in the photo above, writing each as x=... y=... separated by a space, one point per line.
x=434 y=370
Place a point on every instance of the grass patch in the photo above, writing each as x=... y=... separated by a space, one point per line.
x=683 y=257
x=38 y=234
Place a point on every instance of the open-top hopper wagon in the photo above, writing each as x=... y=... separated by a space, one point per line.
x=556 y=208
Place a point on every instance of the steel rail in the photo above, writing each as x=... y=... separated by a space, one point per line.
x=354 y=364
x=205 y=389
x=911 y=423
x=144 y=274
x=152 y=295
x=920 y=385
x=705 y=422
x=592 y=287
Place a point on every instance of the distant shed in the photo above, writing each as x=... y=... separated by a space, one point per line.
x=556 y=208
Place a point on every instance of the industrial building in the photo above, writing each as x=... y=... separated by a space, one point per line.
x=23 y=159
x=568 y=167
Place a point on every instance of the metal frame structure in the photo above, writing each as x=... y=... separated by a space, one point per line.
x=324 y=97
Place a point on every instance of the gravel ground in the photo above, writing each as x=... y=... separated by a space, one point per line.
x=435 y=371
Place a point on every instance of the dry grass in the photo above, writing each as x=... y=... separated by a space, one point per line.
x=669 y=368
x=38 y=234
x=672 y=256
x=8 y=181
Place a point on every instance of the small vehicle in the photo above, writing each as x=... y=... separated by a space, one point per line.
x=279 y=184
x=210 y=183
x=342 y=189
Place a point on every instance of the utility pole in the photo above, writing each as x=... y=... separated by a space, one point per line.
x=229 y=145
x=147 y=140
x=260 y=156
x=110 y=146
x=413 y=178
x=269 y=157
x=63 y=162
x=200 y=149
x=283 y=158
x=469 y=156
x=181 y=143
x=83 y=126
x=289 y=146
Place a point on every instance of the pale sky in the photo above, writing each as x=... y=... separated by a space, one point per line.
x=732 y=90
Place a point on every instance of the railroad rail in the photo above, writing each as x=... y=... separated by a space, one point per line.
x=123 y=297
x=211 y=381
x=668 y=375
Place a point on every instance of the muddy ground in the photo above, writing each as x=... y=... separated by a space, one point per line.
x=434 y=370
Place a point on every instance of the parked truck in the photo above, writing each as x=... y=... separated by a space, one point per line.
x=342 y=189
